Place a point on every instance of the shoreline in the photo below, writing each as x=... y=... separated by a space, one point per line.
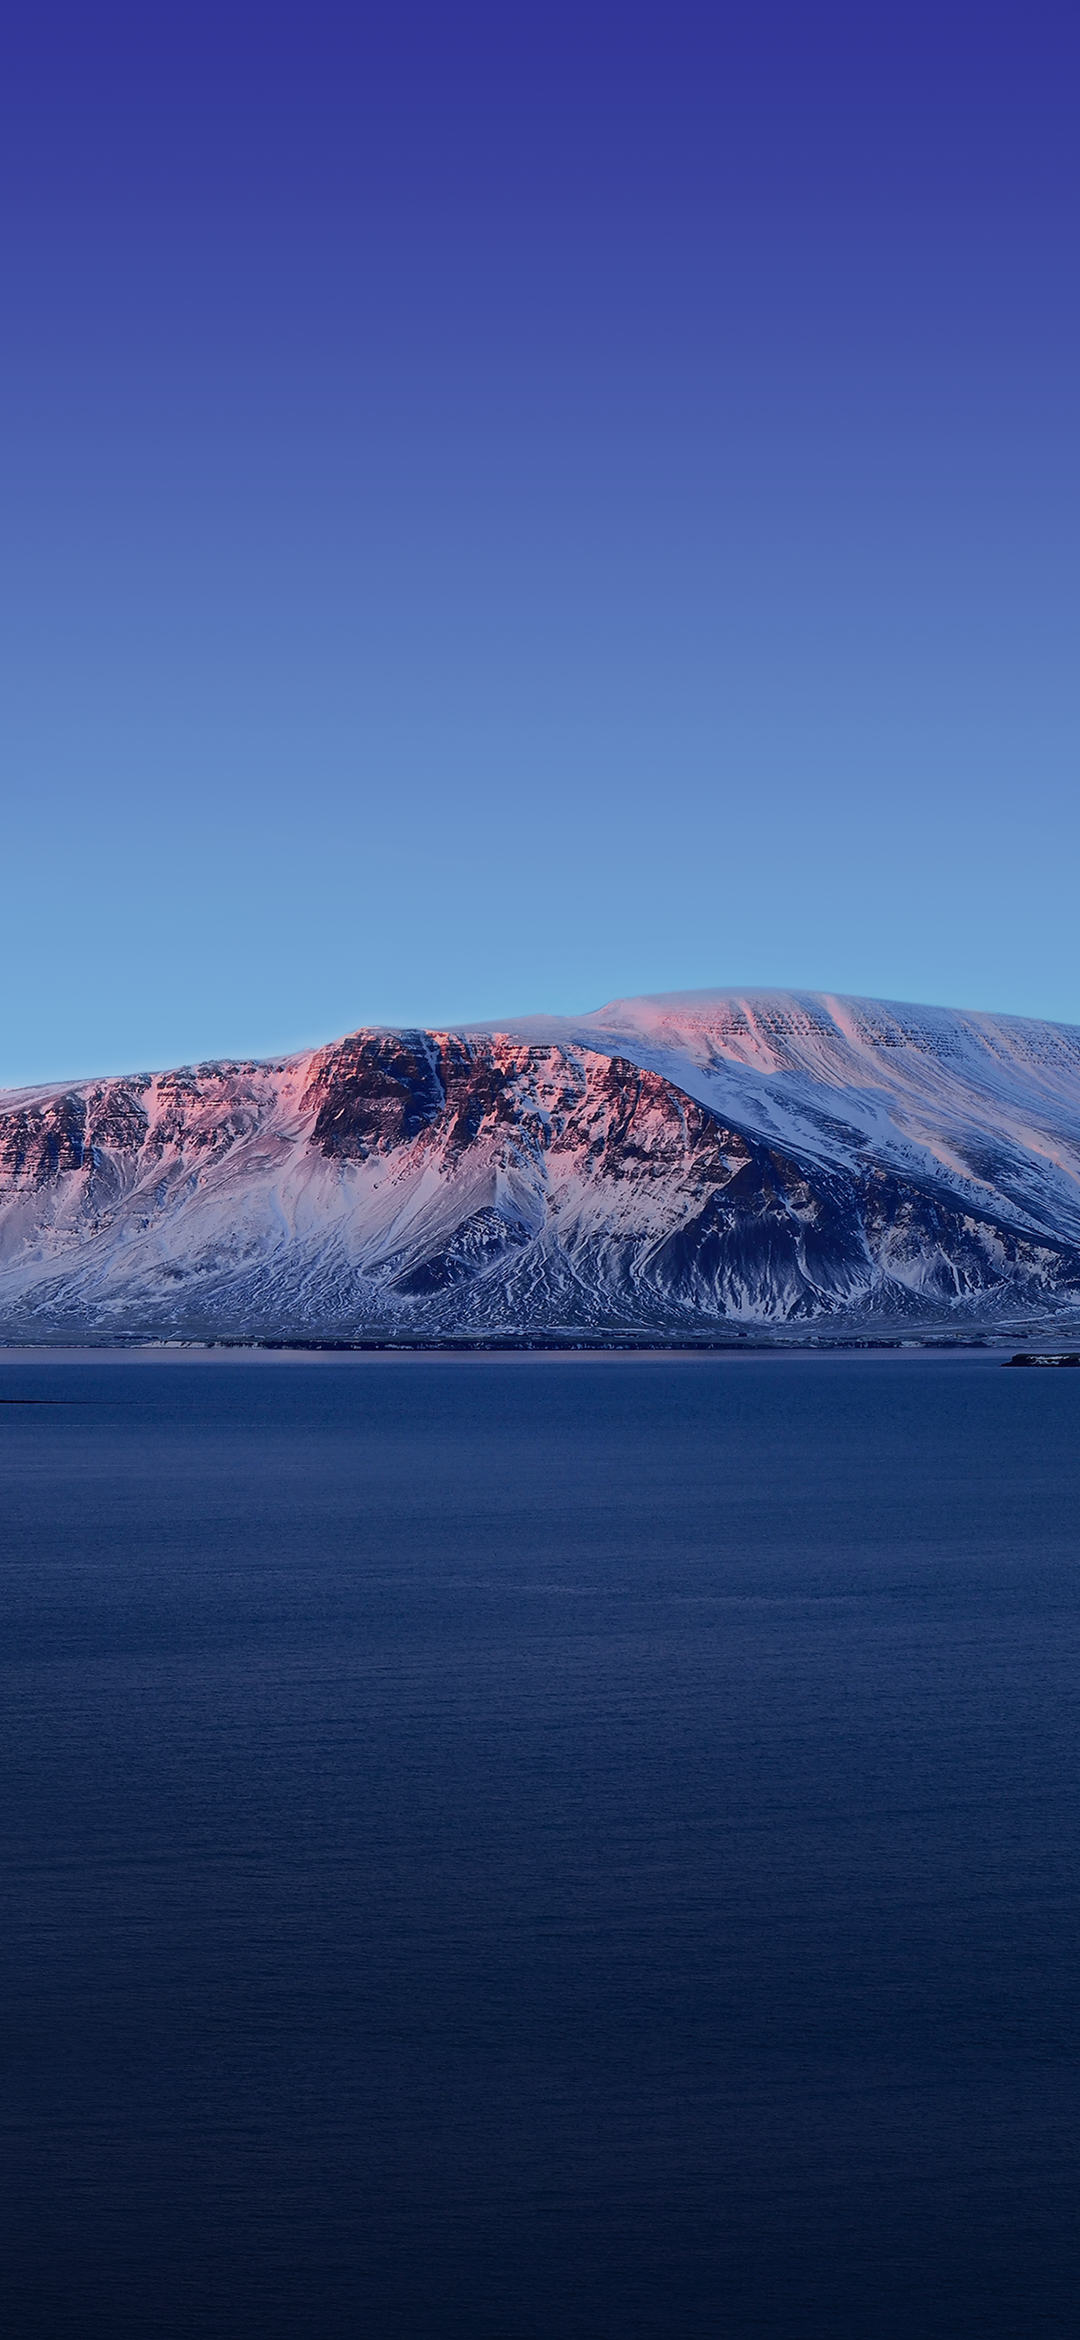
x=517 y=1352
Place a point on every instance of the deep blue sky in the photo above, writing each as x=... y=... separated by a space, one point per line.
x=509 y=505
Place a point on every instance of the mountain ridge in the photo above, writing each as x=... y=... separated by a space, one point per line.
x=678 y=1164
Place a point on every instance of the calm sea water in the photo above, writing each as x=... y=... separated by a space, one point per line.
x=540 y=1849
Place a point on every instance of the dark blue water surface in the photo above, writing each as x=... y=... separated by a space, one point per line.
x=541 y=1848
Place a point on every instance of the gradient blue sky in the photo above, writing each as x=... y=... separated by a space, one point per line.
x=510 y=505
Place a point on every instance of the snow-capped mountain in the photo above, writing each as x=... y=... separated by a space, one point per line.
x=678 y=1164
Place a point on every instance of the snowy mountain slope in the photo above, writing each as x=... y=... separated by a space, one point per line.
x=987 y=1105
x=673 y=1164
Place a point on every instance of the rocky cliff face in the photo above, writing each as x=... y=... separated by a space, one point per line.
x=666 y=1166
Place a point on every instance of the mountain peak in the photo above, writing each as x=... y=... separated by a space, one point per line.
x=672 y=1164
